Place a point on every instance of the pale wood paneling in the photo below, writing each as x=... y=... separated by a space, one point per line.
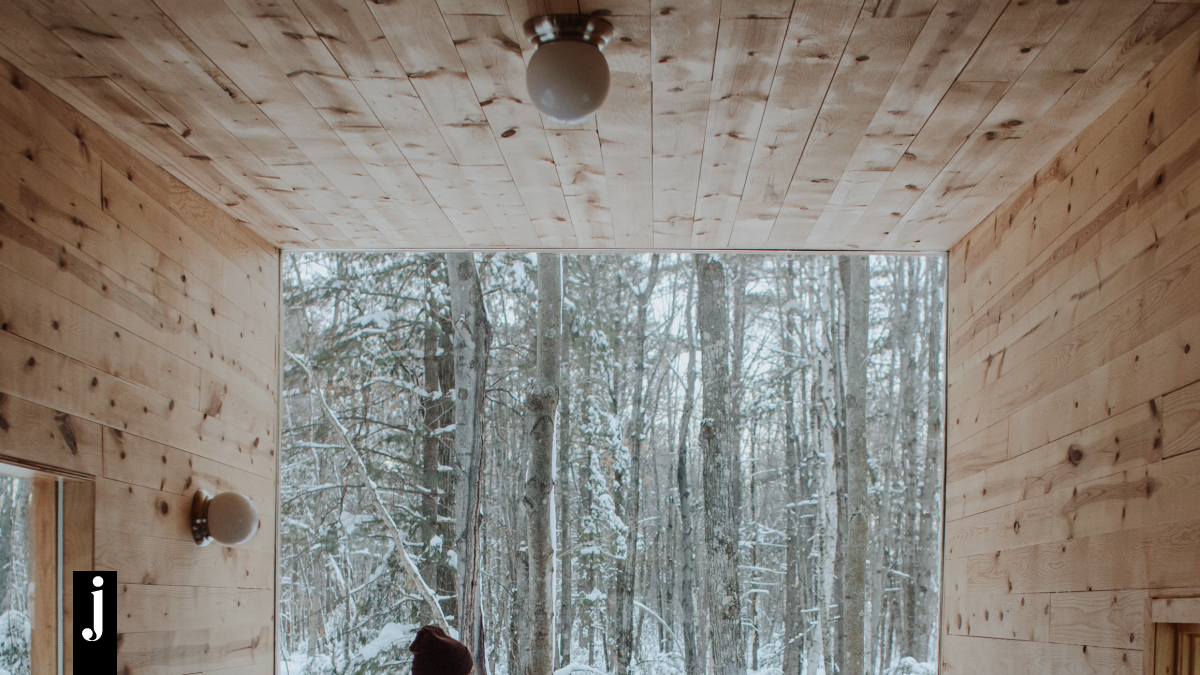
x=138 y=333
x=152 y=609
x=986 y=656
x=229 y=650
x=1010 y=616
x=829 y=124
x=43 y=640
x=41 y=437
x=1072 y=469
x=1175 y=610
x=1181 y=421
x=1122 y=442
x=79 y=545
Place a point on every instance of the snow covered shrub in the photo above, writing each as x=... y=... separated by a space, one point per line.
x=15 y=631
x=910 y=666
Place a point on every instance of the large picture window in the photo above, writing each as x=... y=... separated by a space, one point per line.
x=746 y=461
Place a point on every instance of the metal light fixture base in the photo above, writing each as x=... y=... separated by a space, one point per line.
x=200 y=518
x=568 y=27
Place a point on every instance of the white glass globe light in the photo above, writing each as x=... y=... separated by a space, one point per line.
x=229 y=518
x=568 y=76
x=568 y=81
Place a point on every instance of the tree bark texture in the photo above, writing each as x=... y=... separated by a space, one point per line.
x=626 y=567
x=721 y=470
x=687 y=600
x=542 y=404
x=472 y=347
x=566 y=623
x=929 y=566
x=431 y=452
x=793 y=638
x=856 y=278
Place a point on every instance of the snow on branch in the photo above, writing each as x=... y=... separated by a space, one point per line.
x=410 y=568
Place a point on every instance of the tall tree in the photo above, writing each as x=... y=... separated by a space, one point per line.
x=627 y=566
x=472 y=349
x=855 y=274
x=437 y=416
x=793 y=639
x=721 y=518
x=928 y=542
x=542 y=403
x=692 y=659
x=737 y=359
x=566 y=619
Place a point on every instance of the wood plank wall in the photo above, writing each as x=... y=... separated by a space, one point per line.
x=1074 y=404
x=138 y=329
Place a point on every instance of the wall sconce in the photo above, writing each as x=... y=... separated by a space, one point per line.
x=229 y=518
x=567 y=75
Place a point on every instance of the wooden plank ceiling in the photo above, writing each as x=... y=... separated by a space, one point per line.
x=816 y=124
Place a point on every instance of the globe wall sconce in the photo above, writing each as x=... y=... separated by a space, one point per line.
x=567 y=75
x=229 y=518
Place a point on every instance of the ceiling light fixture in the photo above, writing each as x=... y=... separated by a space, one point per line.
x=229 y=518
x=567 y=75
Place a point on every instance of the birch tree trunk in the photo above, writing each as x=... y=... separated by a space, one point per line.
x=928 y=543
x=856 y=276
x=627 y=567
x=721 y=518
x=542 y=404
x=472 y=347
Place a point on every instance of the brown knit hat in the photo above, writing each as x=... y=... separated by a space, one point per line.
x=435 y=653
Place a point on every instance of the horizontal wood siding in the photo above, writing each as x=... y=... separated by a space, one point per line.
x=1073 y=496
x=138 y=327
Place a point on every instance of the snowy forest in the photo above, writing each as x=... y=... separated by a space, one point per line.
x=610 y=464
x=15 y=627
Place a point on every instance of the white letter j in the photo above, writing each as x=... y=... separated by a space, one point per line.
x=97 y=612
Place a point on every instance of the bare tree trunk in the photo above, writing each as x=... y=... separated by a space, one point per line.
x=431 y=478
x=542 y=404
x=906 y=283
x=837 y=429
x=721 y=521
x=736 y=359
x=566 y=621
x=687 y=597
x=855 y=272
x=472 y=346
x=928 y=544
x=754 y=623
x=792 y=627
x=627 y=567
x=518 y=620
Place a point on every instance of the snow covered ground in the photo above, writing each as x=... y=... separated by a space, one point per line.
x=15 y=631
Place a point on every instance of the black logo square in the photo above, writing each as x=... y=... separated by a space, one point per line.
x=94 y=629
